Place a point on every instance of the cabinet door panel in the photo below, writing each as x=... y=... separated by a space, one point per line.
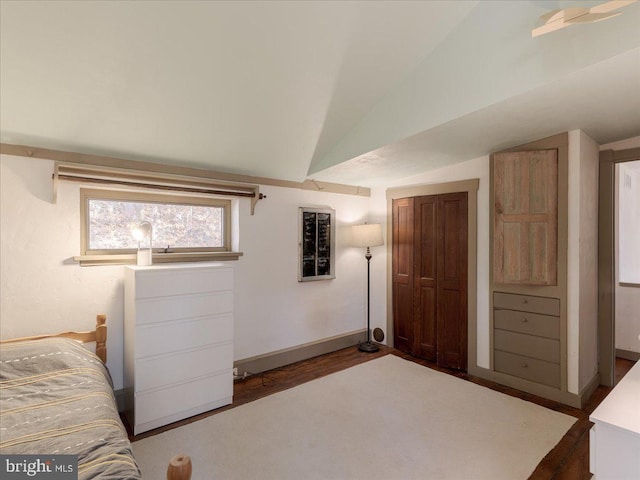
x=525 y=217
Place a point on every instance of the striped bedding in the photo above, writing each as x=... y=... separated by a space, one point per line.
x=56 y=397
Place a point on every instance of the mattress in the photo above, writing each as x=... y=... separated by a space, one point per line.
x=56 y=398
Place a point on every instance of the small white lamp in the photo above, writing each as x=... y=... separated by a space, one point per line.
x=140 y=232
x=367 y=235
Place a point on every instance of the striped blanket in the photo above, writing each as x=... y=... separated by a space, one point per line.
x=56 y=397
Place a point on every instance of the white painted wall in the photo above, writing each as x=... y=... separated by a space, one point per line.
x=475 y=168
x=588 y=262
x=42 y=290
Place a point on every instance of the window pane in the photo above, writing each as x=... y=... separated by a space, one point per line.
x=175 y=225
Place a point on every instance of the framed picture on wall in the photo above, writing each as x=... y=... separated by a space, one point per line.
x=316 y=244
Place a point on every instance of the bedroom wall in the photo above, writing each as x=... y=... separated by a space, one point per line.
x=43 y=290
x=582 y=258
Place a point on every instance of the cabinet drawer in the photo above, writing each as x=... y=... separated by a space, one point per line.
x=188 y=306
x=529 y=323
x=168 y=337
x=527 y=345
x=527 y=303
x=527 y=368
x=167 y=370
x=179 y=398
x=163 y=282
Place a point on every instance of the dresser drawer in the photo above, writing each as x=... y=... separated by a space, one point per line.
x=153 y=310
x=529 y=323
x=171 y=281
x=527 y=368
x=528 y=345
x=159 y=372
x=168 y=337
x=527 y=303
x=180 y=398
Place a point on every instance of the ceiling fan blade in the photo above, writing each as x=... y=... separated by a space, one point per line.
x=593 y=17
x=547 y=16
x=609 y=6
x=547 y=28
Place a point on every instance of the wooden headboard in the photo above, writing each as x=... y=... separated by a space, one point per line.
x=99 y=335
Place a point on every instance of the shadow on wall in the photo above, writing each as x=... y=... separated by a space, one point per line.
x=41 y=185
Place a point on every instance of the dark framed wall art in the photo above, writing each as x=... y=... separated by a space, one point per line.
x=316 y=244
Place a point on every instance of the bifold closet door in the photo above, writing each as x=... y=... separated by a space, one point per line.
x=430 y=277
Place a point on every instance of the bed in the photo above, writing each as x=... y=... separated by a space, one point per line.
x=56 y=398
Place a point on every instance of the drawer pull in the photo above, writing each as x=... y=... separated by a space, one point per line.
x=524 y=320
x=524 y=365
x=525 y=301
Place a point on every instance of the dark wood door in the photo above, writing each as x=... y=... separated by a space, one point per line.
x=430 y=277
x=402 y=273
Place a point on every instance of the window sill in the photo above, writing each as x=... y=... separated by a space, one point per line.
x=130 y=259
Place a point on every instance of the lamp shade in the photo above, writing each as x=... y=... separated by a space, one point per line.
x=367 y=235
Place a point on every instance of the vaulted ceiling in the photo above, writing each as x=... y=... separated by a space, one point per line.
x=352 y=92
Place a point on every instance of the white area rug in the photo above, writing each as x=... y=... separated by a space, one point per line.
x=385 y=419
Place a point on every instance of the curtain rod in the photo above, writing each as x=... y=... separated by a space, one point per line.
x=156 y=186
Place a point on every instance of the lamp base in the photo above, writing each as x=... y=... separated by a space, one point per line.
x=368 y=347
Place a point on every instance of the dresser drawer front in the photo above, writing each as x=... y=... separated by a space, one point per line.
x=527 y=303
x=528 y=345
x=159 y=372
x=168 y=337
x=161 y=283
x=186 y=306
x=529 y=323
x=527 y=368
x=180 y=398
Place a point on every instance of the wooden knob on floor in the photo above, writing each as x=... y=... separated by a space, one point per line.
x=179 y=468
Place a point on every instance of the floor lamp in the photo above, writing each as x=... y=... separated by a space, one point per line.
x=367 y=235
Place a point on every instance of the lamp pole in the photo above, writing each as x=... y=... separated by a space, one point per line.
x=368 y=346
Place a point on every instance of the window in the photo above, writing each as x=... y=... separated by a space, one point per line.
x=184 y=228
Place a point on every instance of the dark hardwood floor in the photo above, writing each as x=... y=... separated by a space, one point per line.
x=569 y=460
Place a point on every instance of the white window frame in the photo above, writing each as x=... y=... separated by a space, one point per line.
x=160 y=255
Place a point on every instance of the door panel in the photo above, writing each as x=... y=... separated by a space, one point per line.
x=425 y=238
x=526 y=217
x=452 y=281
x=402 y=273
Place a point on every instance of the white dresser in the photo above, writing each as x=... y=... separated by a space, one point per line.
x=614 y=440
x=178 y=355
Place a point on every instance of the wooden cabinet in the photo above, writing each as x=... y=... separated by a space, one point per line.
x=526 y=337
x=525 y=217
x=528 y=267
x=178 y=342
